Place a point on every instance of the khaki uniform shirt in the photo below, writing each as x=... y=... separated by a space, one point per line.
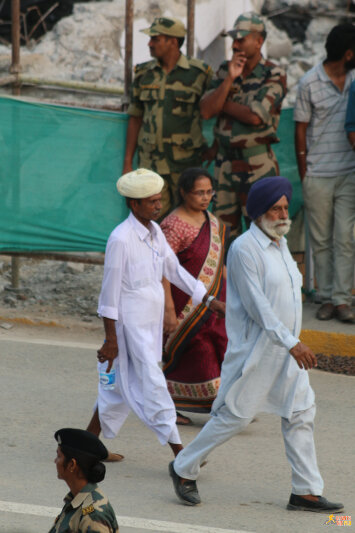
x=89 y=511
x=262 y=91
x=170 y=138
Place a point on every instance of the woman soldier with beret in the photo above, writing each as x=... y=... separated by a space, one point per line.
x=78 y=462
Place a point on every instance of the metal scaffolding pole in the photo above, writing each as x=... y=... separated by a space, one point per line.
x=15 y=37
x=15 y=69
x=128 y=48
x=190 y=27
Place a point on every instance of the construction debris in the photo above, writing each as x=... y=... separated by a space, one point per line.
x=87 y=46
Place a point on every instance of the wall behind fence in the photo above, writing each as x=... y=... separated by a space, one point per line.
x=58 y=175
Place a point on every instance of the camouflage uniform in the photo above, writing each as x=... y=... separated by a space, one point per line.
x=170 y=138
x=244 y=152
x=89 y=511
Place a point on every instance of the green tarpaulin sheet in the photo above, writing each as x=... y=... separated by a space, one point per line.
x=58 y=171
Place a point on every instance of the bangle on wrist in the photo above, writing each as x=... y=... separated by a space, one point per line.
x=301 y=153
x=209 y=300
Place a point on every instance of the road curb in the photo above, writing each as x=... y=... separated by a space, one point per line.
x=329 y=343
x=321 y=342
x=30 y=322
x=50 y=322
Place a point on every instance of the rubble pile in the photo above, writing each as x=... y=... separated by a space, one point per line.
x=297 y=33
x=51 y=289
x=87 y=46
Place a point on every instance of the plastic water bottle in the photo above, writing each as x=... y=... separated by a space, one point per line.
x=108 y=379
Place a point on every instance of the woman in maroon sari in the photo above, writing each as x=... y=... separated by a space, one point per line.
x=194 y=349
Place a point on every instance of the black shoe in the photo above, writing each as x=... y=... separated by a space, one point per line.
x=187 y=492
x=297 y=503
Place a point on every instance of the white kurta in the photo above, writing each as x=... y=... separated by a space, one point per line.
x=132 y=294
x=263 y=322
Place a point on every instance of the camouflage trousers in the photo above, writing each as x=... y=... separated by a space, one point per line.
x=169 y=194
x=235 y=172
x=170 y=170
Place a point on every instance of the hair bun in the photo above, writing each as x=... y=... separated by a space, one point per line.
x=96 y=473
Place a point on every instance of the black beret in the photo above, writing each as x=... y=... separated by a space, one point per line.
x=79 y=440
x=265 y=192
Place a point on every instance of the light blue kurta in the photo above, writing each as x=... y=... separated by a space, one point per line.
x=263 y=322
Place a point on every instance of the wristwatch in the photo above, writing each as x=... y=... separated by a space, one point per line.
x=209 y=300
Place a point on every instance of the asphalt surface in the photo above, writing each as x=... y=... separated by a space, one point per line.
x=49 y=381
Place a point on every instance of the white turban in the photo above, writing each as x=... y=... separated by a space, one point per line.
x=140 y=183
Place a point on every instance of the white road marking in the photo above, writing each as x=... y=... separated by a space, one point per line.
x=52 y=342
x=126 y=521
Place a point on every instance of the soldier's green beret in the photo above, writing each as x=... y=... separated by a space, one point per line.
x=79 y=440
x=166 y=26
x=245 y=24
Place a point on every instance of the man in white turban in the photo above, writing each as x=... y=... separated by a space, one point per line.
x=131 y=303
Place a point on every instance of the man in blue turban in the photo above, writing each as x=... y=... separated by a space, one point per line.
x=265 y=365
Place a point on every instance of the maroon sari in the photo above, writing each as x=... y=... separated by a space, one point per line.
x=193 y=354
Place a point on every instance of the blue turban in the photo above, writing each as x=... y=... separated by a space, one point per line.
x=265 y=192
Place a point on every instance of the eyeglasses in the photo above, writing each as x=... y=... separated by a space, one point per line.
x=201 y=194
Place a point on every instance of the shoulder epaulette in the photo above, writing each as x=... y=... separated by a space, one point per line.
x=199 y=64
x=87 y=510
x=143 y=66
x=274 y=66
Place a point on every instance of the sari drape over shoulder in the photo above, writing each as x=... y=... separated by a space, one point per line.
x=194 y=352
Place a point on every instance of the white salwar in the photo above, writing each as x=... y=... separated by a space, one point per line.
x=263 y=322
x=132 y=294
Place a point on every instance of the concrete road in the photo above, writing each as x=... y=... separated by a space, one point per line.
x=48 y=382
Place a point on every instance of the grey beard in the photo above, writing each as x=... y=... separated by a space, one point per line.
x=273 y=228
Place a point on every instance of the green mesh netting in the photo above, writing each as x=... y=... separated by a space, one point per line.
x=58 y=172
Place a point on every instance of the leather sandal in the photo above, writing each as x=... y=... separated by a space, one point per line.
x=113 y=458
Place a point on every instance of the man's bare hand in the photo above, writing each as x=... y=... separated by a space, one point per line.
x=236 y=65
x=170 y=321
x=107 y=352
x=304 y=356
x=218 y=307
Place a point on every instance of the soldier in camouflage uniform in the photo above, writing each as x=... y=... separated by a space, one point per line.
x=165 y=120
x=86 y=508
x=246 y=94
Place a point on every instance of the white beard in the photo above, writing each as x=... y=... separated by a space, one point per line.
x=275 y=228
